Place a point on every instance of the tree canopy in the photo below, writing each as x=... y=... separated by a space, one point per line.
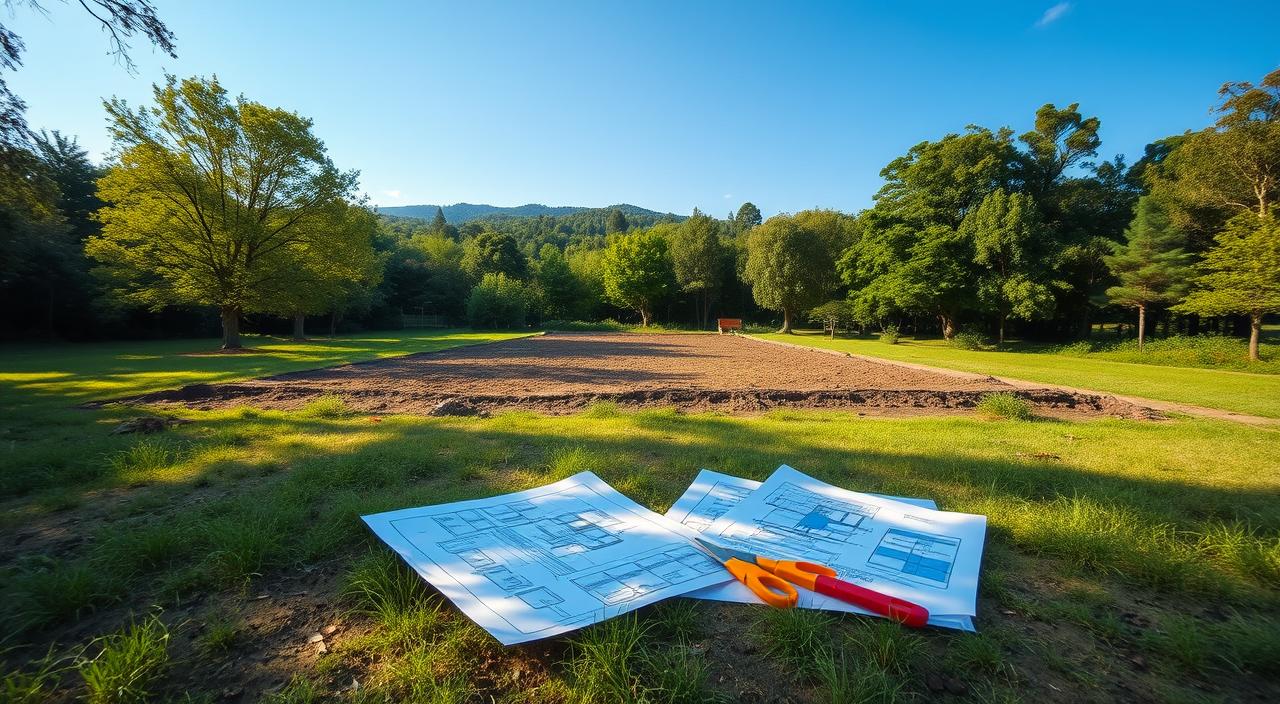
x=791 y=260
x=213 y=200
x=637 y=272
x=1150 y=266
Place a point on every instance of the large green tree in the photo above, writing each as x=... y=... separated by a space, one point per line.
x=747 y=217
x=637 y=274
x=493 y=253
x=698 y=258
x=1240 y=274
x=558 y=291
x=791 y=260
x=1151 y=267
x=210 y=199
x=1006 y=233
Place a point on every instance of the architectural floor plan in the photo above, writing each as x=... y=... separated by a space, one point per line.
x=901 y=546
x=547 y=560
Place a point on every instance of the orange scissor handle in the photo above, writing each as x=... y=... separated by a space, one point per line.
x=803 y=573
x=772 y=590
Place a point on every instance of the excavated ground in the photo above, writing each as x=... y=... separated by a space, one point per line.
x=564 y=373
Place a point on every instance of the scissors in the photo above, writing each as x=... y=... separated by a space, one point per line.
x=772 y=581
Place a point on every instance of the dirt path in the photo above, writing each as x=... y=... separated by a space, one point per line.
x=1163 y=406
x=565 y=373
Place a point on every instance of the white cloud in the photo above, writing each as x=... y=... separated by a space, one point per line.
x=727 y=196
x=391 y=194
x=1053 y=14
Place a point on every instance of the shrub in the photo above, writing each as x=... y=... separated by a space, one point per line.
x=969 y=340
x=498 y=301
x=890 y=335
x=1003 y=404
x=608 y=325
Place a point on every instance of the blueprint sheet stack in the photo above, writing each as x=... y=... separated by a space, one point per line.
x=899 y=546
x=545 y=561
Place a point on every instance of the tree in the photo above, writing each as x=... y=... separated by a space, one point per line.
x=1234 y=166
x=492 y=253
x=211 y=199
x=1061 y=139
x=698 y=257
x=559 y=293
x=498 y=301
x=791 y=261
x=637 y=272
x=617 y=222
x=833 y=314
x=120 y=19
x=748 y=216
x=1151 y=266
x=1005 y=231
x=1240 y=274
x=438 y=223
x=332 y=267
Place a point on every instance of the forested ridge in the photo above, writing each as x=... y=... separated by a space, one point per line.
x=999 y=233
x=459 y=213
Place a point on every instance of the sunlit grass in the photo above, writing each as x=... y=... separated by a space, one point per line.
x=1243 y=392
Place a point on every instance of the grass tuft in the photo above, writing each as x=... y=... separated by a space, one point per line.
x=129 y=665
x=140 y=461
x=378 y=584
x=36 y=684
x=327 y=406
x=605 y=663
x=795 y=636
x=1003 y=404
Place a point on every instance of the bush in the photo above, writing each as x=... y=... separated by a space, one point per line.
x=969 y=340
x=498 y=301
x=890 y=335
x=1003 y=404
x=608 y=325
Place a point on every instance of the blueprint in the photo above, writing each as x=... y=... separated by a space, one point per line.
x=545 y=561
x=799 y=523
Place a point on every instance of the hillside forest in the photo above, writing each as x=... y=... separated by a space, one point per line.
x=216 y=212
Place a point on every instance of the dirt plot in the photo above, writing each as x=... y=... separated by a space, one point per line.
x=564 y=373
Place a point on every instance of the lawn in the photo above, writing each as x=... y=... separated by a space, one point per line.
x=1242 y=392
x=1123 y=557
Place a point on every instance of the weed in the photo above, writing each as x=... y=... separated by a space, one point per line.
x=241 y=544
x=129 y=664
x=842 y=682
x=299 y=690
x=326 y=406
x=221 y=632
x=795 y=636
x=35 y=684
x=1003 y=404
x=605 y=663
x=887 y=645
x=379 y=585
x=673 y=675
x=975 y=651
x=141 y=460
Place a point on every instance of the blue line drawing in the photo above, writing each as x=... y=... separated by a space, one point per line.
x=923 y=558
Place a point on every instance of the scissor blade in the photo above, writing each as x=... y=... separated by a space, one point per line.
x=721 y=553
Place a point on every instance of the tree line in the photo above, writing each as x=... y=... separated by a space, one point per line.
x=219 y=201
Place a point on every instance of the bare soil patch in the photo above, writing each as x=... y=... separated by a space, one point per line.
x=564 y=373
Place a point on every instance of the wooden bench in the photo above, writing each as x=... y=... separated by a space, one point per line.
x=723 y=324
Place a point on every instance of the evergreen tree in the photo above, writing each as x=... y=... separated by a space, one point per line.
x=1241 y=274
x=438 y=223
x=1151 y=266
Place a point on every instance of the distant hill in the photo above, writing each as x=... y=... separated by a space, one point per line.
x=459 y=213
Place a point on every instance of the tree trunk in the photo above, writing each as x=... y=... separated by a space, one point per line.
x=333 y=323
x=644 y=317
x=948 y=326
x=299 y=326
x=230 y=327
x=1003 y=318
x=1255 y=330
x=1142 y=326
x=786 y=321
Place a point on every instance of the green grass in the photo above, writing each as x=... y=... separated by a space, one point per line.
x=1242 y=392
x=1004 y=405
x=128 y=664
x=1179 y=515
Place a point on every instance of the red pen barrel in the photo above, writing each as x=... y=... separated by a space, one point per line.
x=900 y=610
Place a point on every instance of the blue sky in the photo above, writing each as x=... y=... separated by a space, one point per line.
x=664 y=105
